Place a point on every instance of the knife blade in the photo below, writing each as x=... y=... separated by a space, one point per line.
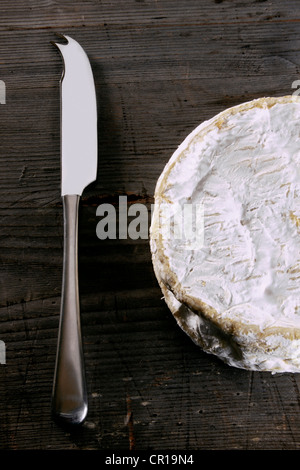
x=78 y=115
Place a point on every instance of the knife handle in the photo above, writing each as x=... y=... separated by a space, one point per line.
x=69 y=395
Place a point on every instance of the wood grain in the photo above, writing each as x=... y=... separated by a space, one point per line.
x=161 y=68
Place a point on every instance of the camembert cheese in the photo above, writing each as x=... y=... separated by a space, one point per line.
x=235 y=287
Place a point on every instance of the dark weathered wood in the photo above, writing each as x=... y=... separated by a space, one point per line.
x=161 y=68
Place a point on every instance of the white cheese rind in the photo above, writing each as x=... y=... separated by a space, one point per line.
x=243 y=279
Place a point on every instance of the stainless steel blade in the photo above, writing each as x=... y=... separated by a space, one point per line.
x=78 y=120
x=79 y=168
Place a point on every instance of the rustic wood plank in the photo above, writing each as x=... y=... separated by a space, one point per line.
x=83 y=13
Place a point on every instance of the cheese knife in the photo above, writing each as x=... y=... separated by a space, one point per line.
x=78 y=116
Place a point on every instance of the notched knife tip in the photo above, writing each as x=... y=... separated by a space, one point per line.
x=61 y=36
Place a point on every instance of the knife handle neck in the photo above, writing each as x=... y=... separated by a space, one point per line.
x=69 y=397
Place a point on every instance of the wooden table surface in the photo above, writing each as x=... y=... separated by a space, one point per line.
x=161 y=67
